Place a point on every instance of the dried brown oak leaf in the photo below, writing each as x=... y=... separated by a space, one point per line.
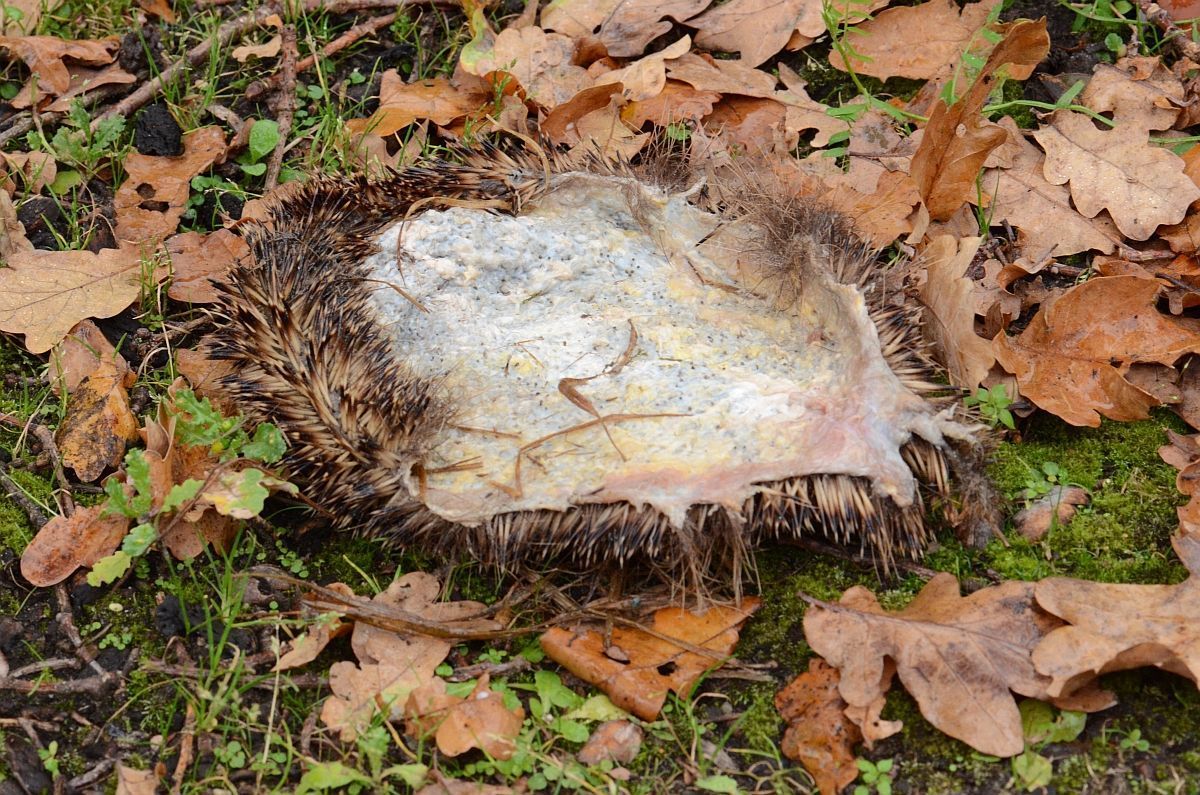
x=958 y=139
x=98 y=423
x=624 y=27
x=725 y=77
x=949 y=299
x=1141 y=185
x=306 y=647
x=647 y=76
x=461 y=724
x=1047 y=224
x=818 y=734
x=1117 y=627
x=541 y=63
x=65 y=543
x=757 y=28
x=392 y=665
x=677 y=102
x=47 y=56
x=1071 y=358
x=197 y=260
x=914 y=41
x=151 y=200
x=637 y=668
x=960 y=657
x=1183 y=453
x=401 y=104
x=43 y=294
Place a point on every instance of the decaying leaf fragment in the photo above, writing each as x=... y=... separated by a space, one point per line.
x=631 y=668
x=818 y=734
x=1072 y=357
x=1115 y=627
x=961 y=658
x=98 y=424
x=460 y=724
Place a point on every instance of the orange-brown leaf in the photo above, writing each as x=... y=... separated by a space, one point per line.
x=959 y=657
x=1116 y=627
x=1070 y=359
x=66 y=543
x=98 y=424
x=636 y=683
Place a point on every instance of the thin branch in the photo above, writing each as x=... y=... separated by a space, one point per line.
x=260 y=87
x=1177 y=36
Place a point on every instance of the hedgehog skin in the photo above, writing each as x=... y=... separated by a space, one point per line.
x=297 y=326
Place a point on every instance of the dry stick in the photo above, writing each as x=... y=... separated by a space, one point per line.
x=1171 y=32
x=259 y=87
x=287 y=105
x=24 y=122
x=231 y=30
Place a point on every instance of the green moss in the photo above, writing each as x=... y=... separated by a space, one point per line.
x=1124 y=534
x=760 y=723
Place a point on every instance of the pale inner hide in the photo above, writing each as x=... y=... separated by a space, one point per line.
x=707 y=394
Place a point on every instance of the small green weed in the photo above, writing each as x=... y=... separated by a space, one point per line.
x=993 y=405
x=876 y=777
x=241 y=490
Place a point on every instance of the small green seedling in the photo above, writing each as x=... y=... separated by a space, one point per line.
x=993 y=405
x=1040 y=482
x=264 y=136
x=1133 y=741
x=1042 y=725
x=876 y=777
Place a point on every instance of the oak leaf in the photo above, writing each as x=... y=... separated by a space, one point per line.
x=614 y=740
x=725 y=77
x=1071 y=358
x=83 y=352
x=957 y=139
x=961 y=658
x=392 y=664
x=401 y=104
x=757 y=29
x=914 y=41
x=150 y=202
x=47 y=56
x=624 y=27
x=818 y=734
x=755 y=125
x=85 y=79
x=1046 y=222
x=647 y=76
x=65 y=543
x=43 y=294
x=198 y=259
x=629 y=668
x=948 y=296
x=1142 y=186
x=543 y=64
x=1114 y=627
x=460 y=724
x=677 y=102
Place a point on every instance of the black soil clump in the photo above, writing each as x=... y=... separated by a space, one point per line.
x=157 y=133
